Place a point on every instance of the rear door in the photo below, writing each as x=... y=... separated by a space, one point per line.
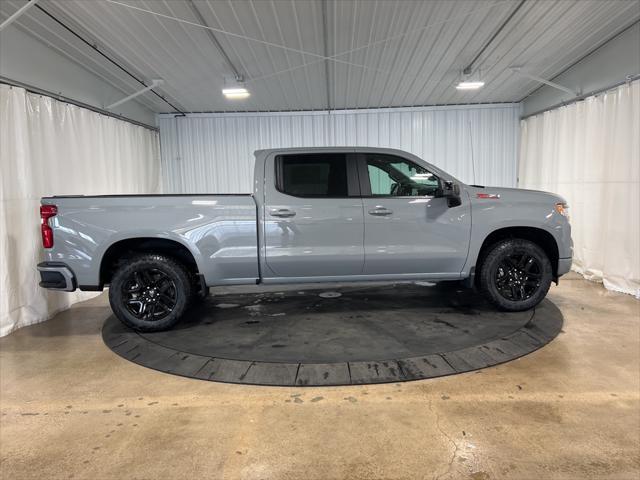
x=313 y=215
x=408 y=230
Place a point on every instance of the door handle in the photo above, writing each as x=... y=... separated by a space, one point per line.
x=380 y=212
x=282 y=213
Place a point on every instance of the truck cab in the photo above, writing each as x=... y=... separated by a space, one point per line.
x=358 y=214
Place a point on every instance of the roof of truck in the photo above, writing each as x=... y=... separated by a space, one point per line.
x=344 y=148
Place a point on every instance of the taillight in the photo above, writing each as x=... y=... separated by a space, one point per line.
x=46 y=212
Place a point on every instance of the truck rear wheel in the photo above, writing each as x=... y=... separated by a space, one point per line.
x=150 y=292
x=515 y=274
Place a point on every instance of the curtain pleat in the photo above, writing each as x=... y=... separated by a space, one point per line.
x=589 y=152
x=47 y=148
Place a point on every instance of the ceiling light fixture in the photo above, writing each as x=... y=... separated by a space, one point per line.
x=469 y=85
x=235 y=93
x=234 y=89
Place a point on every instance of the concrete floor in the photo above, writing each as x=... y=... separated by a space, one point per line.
x=70 y=408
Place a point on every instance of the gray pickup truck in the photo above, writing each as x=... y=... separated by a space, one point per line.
x=315 y=215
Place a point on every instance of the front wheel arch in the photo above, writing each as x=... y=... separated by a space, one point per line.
x=539 y=236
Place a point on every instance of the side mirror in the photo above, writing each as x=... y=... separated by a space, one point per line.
x=451 y=191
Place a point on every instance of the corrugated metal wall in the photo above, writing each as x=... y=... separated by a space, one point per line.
x=204 y=153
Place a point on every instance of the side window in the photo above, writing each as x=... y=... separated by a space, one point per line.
x=397 y=177
x=313 y=175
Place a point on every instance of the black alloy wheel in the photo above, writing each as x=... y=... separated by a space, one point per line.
x=518 y=276
x=149 y=294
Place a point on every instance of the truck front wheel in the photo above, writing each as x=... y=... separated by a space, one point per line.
x=150 y=292
x=515 y=274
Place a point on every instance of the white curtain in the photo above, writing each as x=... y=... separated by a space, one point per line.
x=589 y=152
x=49 y=147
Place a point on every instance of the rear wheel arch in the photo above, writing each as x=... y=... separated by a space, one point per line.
x=123 y=249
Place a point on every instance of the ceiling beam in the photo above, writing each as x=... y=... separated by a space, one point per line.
x=216 y=43
x=325 y=41
x=17 y=14
x=557 y=86
x=468 y=70
x=154 y=84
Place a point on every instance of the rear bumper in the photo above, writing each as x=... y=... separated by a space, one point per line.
x=56 y=276
x=564 y=265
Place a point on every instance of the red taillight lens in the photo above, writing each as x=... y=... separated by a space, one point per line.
x=46 y=212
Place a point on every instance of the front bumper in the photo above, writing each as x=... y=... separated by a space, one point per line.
x=564 y=265
x=56 y=276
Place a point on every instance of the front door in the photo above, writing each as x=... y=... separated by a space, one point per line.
x=313 y=217
x=408 y=229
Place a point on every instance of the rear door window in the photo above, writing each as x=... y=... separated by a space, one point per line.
x=313 y=175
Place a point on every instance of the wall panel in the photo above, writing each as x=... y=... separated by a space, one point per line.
x=214 y=152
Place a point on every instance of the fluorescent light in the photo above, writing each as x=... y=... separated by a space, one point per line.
x=235 y=93
x=469 y=85
x=237 y=96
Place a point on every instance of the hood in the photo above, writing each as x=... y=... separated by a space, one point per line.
x=514 y=194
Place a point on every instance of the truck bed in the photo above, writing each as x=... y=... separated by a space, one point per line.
x=220 y=227
x=153 y=195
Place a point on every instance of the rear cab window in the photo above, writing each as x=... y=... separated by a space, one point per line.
x=321 y=175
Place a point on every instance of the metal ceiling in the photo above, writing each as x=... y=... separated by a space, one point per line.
x=323 y=54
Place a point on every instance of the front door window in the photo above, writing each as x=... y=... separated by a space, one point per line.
x=391 y=176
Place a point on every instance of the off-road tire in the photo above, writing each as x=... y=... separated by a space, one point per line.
x=177 y=276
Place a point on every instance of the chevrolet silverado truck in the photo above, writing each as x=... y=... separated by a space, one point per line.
x=315 y=215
